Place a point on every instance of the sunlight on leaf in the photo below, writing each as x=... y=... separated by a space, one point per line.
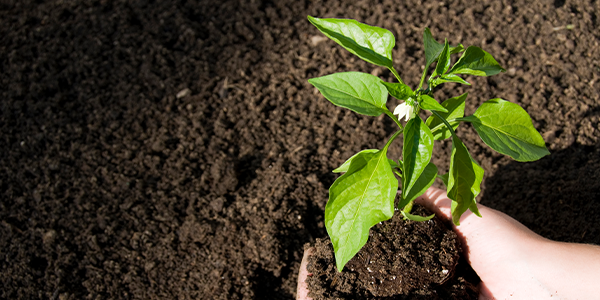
x=360 y=92
x=508 y=129
x=456 y=109
x=464 y=180
x=476 y=62
x=370 y=43
x=359 y=199
x=416 y=152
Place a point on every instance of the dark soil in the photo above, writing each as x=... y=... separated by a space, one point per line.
x=174 y=149
x=401 y=260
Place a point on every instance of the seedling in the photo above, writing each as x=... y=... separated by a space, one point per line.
x=364 y=195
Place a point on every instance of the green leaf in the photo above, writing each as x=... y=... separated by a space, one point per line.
x=464 y=180
x=416 y=217
x=399 y=91
x=456 y=109
x=416 y=153
x=474 y=209
x=393 y=164
x=443 y=60
x=370 y=43
x=360 y=92
x=508 y=129
x=431 y=104
x=359 y=199
x=444 y=178
x=449 y=78
x=344 y=167
x=459 y=48
x=476 y=62
x=421 y=185
x=433 y=48
x=401 y=165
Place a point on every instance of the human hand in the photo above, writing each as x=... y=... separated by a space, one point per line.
x=302 y=289
x=511 y=260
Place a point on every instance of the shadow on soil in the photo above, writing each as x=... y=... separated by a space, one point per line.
x=556 y=196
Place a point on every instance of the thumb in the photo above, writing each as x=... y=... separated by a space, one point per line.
x=492 y=244
x=302 y=288
x=493 y=226
x=437 y=201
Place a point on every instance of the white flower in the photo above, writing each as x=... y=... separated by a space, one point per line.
x=405 y=110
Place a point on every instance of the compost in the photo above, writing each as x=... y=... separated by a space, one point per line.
x=175 y=150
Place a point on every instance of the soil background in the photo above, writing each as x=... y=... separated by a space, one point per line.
x=175 y=150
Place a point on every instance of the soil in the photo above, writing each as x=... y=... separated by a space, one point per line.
x=175 y=150
x=401 y=260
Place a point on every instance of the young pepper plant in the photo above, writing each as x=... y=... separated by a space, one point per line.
x=365 y=194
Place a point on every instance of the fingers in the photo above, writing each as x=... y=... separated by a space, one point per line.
x=436 y=201
x=499 y=248
x=302 y=289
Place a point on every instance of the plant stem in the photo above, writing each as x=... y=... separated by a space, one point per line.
x=391 y=115
x=423 y=78
x=396 y=75
x=408 y=207
x=389 y=142
x=445 y=122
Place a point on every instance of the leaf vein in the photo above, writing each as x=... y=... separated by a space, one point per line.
x=362 y=198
